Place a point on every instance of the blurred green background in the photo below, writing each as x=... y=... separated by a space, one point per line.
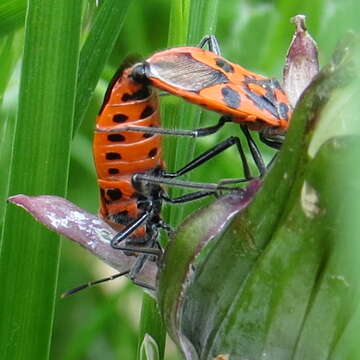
x=102 y=322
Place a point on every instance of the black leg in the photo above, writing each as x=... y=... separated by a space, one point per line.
x=142 y=284
x=135 y=270
x=140 y=250
x=255 y=152
x=92 y=283
x=270 y=164
x=211 y=42
x=158 y=179
x=217 y=149
x=273 y=144
x=188 y=197
x=122 y=235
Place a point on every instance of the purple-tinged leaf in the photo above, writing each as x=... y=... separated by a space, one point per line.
x=92 y=233
x=193 y=239
x=302 y=62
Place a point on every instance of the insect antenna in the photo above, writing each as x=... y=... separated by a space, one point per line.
x=92 y=283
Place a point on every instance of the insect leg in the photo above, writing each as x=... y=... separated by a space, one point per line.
x=187 y=197
x=135 y=270
x=122 y=235
x=273 y=144
x=92 y=283
x=158 y=179
x=140 y=250
x=271 y=163
x=211 y=42
x=172 y=132
x=217 y=149
x=142 y=284
x=255 y=152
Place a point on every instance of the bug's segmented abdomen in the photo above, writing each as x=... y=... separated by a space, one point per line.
x=119 y=155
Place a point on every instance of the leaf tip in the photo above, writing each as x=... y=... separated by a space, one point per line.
x=19 y=200
x=301 y=63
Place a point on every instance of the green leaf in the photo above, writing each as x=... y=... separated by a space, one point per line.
x=96 y=50
x=271 y=279
x=149 y=349
x=98 y=323
x=10 y=52
x=40 y=160
x=200 y=17
x=12 y=15
x=151 y=326
x=189 y=20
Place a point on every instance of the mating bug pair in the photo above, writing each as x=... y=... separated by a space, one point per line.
x=127 y=143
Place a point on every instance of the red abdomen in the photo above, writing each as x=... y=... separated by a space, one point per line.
x=118 y=156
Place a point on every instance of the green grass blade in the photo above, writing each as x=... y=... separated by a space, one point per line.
x=96 y=50
x=12 y=15
x=9 y=55
x=151 y=324
x=179 y=20
x=149 y=349
x=40 y=158
x=178 y=30
x=201 y=20
x=6 y=140
x=189 y=22
x=105 y=320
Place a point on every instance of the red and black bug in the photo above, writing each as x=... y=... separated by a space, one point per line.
x=127 y=205
x=130 y=169
x=205 y=78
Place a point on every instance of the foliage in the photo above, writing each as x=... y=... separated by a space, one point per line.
x=102 y=322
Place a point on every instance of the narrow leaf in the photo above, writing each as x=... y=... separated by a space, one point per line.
x=86 y=229
x=96 y=51
x=301 y=61
x=189 y=21
x=40 y=159
x=12 y=15
x=149 y=349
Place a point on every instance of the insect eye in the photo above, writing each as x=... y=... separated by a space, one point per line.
x=139 y=72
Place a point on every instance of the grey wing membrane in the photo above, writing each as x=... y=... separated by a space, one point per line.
x=183 y=72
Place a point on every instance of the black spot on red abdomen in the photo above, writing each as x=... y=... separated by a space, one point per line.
x=113 y=156
x=116 y=137
x=120 y=118
x=152 y=152
x=141 y=94
x=149 y=110
x=114 y=194
x=113 y=171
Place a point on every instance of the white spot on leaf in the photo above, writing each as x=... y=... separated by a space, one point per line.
x=309 y=200
x=77 y=216
x=340 y=278
x=57 y=222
